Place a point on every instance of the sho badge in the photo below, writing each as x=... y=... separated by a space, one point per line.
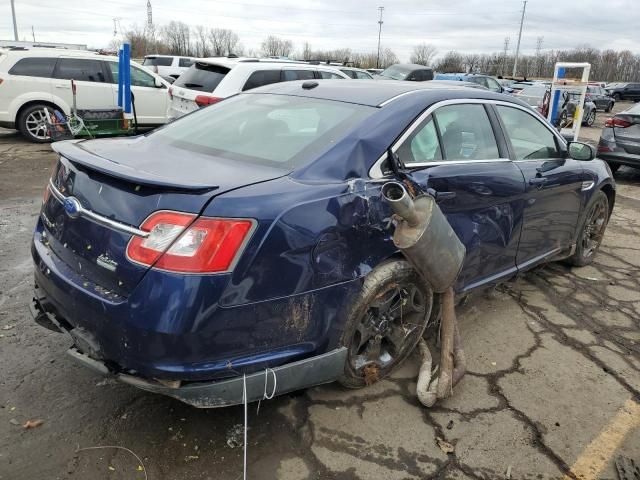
x=106 y=262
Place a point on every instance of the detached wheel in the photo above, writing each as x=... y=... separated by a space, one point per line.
x=591 y=118
x=591 y=230
x=386 y=322
x=32 y=123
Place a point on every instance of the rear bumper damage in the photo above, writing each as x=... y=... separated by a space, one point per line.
x=316 y=370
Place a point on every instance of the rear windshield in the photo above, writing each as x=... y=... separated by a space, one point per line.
x=157 y=61
x=396 y=73
x=270 y=130
x=202 y=76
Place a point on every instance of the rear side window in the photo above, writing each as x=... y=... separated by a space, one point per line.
x=332 y=75
x=260 y=78
x=202 y=77
x=351 y=73
x=185 y=62
x=529 y=137
x=158 y=61
x=34 y=67
x=363 y=76
x=289 y=75
x=466 y=133
x=80 y=69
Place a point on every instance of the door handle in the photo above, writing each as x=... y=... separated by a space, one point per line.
x=538 y=181
x=63 y=86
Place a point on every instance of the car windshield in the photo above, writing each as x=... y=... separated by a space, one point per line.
x=157 y=61
x=270 y=130
x=395 y=73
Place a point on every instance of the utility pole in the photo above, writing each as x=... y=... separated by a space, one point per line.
x=515 y=62
x=505 y=50
x=33 y=34
x=149 y=15
x=380 y=22
x=15 y=25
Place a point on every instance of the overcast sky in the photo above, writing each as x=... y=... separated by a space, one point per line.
x=465 y=25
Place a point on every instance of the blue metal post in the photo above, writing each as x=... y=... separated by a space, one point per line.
x=120 y=78
x=126 y=50
x=555 y=101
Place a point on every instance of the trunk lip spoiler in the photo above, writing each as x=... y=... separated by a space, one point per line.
x=95 y=217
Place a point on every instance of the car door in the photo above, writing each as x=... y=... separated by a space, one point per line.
x=553 y=185
x=151 y=102
x=633 y=92
x=458 y=152
x=93 y=90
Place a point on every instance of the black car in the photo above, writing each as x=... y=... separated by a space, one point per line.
x=600 y=97
x=625 y=91
x=407 y=71
x=620 y=139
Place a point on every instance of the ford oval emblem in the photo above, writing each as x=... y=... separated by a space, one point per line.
x=72 y=207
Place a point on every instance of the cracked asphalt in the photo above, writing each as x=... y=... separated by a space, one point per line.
x=552 y=391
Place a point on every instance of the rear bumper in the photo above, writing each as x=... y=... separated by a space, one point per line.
x=305 y=373
x=621 y=158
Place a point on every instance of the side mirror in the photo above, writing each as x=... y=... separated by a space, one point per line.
x=581 y=151
x=158 y=83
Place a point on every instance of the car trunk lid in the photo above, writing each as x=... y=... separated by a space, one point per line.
x=626 y=129
x=118 y=184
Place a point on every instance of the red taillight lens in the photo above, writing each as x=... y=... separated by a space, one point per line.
x=179 y=244
x=204 y=100
x=617 y=122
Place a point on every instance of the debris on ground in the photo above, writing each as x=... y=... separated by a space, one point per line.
x=32 y=424
x=8 y=326
x=13 y=421
x=450 y=425
x=445 y=446
x=235 y=436
x=189 y=458
x=371 y=374
x=508 y=474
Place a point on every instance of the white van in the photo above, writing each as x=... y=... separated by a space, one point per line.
x=35 y=79
x=167 y=65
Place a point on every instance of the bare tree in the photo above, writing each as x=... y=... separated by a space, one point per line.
x=307 y=53
x=202 y=42
x=223 y=42
x=452 y=62
x=471 y=61
x=423 y=54
x=388 y=58
x=273 y=46
x=176 y=36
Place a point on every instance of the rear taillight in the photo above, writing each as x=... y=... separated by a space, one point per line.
x=204 y=100
x=179 y=243
x=171 y=93
x=617 y=122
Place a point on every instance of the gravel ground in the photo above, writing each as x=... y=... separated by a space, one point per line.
x=554 y=382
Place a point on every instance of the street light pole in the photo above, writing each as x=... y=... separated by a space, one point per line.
x=380 y=22
x=515 y=62
x=15 y=25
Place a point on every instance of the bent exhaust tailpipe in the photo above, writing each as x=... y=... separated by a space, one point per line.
x=427 y=240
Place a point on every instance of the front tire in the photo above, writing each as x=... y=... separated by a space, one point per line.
x=591 y=230
x=32 y=123
x=386 y=322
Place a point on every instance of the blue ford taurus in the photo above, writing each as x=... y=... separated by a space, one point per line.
x=248 y=243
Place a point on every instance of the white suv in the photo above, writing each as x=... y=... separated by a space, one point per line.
x=210 y=80
x=39 y=78
x=167 y=65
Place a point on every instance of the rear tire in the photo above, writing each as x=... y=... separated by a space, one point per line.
x=591 y=230
x=591 y=118
x=32 y=123
x=613 y=167
x=386 y=321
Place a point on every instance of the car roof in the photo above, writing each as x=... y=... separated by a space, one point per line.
x=410 y=66
x=375 y=93
x=49 y=52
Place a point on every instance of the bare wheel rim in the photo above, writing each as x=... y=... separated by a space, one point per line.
x=594 y=228
x=36 y=124
x=592 y=118
x=389 y=326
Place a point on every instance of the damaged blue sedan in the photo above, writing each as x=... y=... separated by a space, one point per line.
x=248 y=245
